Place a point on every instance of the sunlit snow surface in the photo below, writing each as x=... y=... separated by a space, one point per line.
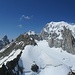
x=57 y=27
x=52 y=61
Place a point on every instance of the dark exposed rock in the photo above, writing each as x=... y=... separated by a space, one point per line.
x=67 y=43
x=73 y=73
x=9 y=67
x=1 y=44
x=3 y=70
x=26 y=39
x=14 y=62
x=34 y=68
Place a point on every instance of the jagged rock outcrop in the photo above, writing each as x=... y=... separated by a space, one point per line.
x=9 y=68
x=67 y=40
x=1 y=44
x=60 y=34
x=5 y=41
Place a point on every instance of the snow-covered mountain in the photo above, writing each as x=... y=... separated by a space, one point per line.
x=57 y=28
x=60 y=34
x=50 y=52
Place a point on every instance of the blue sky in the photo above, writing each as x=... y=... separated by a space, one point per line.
x=19 y=16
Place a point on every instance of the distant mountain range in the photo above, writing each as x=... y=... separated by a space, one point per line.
x=52 y=51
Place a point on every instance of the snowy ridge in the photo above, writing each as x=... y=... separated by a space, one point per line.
x=30 y=32
x=11 y=56
x=7 y=46
x=57 y=27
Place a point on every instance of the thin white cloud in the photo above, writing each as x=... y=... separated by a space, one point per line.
x=25 y=17
x=20 y=26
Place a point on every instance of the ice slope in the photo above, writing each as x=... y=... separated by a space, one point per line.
x=52 y=61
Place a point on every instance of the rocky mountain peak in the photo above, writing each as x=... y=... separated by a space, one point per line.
x=4 y=41
x=60 y=34
x=30 y=32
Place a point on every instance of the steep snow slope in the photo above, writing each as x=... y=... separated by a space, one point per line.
x=52 y=61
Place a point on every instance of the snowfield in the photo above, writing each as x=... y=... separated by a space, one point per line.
x=52 y=61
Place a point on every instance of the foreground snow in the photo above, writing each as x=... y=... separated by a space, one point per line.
x=52 y=61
